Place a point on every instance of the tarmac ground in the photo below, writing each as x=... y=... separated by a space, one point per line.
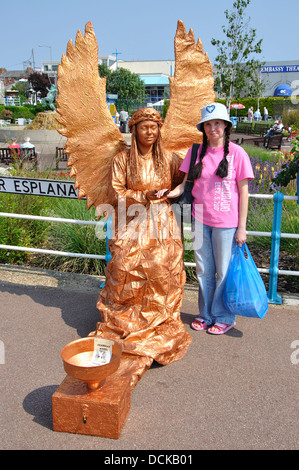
x=235 y=391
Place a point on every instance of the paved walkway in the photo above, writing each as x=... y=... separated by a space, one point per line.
x=237 y=391
x=47 y=151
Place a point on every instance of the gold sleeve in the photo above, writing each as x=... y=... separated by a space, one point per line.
x=119 y=182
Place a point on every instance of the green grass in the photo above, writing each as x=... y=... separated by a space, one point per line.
x=22 y=232
x=261 y=153
x=73 y=238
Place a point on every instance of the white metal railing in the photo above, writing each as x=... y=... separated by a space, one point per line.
x=51 y=219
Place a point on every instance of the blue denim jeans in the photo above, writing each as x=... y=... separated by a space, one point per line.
x=213 y=259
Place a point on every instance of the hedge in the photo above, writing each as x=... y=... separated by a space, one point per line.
x=26 y=112
x=274 y=106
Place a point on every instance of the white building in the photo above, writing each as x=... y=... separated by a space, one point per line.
x=280 y=77
x=154 y=74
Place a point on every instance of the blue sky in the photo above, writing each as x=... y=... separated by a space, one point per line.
x=138 y=30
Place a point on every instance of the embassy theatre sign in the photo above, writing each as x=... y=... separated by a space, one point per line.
x=279 y=68
x=38 y=187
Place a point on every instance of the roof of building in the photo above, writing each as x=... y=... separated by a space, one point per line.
x=155 y=79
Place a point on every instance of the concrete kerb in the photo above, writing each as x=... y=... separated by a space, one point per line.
x=39 y=136
x=27 y=276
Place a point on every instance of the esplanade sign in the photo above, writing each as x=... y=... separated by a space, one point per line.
x=38 y=187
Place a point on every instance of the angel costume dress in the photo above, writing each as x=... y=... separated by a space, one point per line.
x=140 y=303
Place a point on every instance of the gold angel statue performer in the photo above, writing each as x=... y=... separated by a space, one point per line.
x=141 y=300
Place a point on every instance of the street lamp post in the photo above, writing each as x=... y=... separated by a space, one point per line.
x=116 y=53
x=50 y=47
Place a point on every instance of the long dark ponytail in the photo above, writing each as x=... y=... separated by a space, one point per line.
x=222 y=169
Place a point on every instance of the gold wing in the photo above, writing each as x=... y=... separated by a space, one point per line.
x=93 y=139
x=92 y=136
x=191 y=88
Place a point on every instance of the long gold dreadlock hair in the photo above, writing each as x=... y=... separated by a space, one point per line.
x=146 y=114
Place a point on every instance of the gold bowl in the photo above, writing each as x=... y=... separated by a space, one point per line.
x=77 y=356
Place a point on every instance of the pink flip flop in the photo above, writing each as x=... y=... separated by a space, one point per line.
x=221 y=328
x=199 y=325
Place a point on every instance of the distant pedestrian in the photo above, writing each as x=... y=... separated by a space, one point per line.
x=27 y=144
x=266 y=114
x=123 y=118
x=257 y=115
x=275 y=130
x=250 y=114
x=15 y=147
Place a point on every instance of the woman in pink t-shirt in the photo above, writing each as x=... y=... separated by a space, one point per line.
x=220 y=205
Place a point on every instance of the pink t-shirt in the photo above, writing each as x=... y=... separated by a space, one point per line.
x=219 y=197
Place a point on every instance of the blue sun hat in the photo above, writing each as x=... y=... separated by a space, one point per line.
x=213 y=111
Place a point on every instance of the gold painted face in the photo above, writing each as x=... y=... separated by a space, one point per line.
x=147 y=133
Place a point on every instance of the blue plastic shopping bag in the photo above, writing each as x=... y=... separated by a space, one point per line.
x=244 y=293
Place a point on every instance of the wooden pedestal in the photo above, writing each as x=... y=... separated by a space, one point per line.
x=102 y=412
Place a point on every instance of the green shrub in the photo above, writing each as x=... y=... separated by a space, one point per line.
x=20 y=112
x=22 y=232
x=291 y=118
x=5 y=114
x=265 y=165
x=261 y=153
x=73 y=238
